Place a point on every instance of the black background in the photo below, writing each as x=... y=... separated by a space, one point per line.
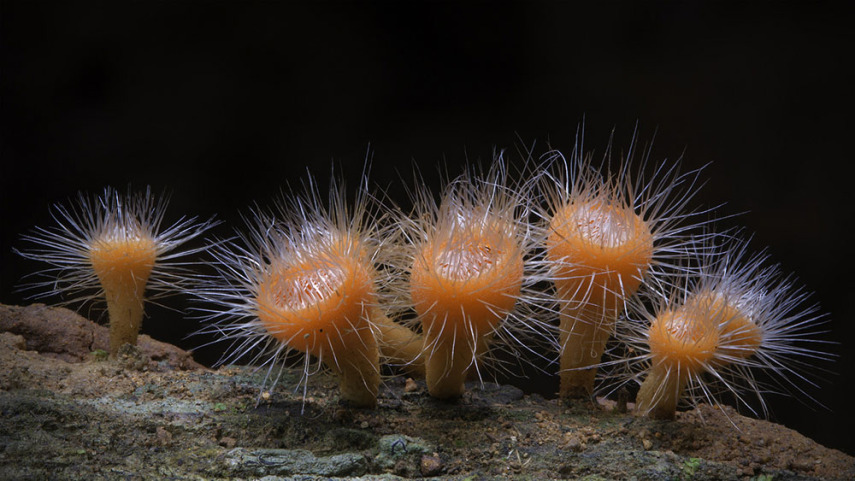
x=225 y=103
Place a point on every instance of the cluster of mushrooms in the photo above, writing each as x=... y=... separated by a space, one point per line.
x=604 y=270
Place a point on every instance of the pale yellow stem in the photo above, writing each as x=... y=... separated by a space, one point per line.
x=446 y=365
x=399 y=345
x=357 y=364
x=584 y=331
x=659 y=393
x=125 y=307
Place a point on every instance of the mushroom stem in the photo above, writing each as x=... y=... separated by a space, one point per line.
x=660 y=392
x=584 y=331
x=399 y=345
x=125 y=308
x=356 y=363
x=447 y=364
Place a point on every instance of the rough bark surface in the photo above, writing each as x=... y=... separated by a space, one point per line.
x=153 y=413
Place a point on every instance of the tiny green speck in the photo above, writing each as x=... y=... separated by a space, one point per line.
x=690 y=466
x=99 y=355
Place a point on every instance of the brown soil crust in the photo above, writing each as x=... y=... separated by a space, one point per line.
x=63 y=334
x=153 y=413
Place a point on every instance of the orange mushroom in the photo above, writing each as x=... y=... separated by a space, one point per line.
x=112 y=247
